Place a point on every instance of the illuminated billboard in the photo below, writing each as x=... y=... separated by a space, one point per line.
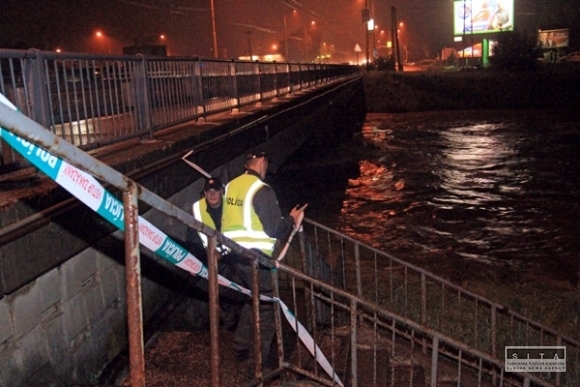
x=476 y=50
x=482 y=16
x=548 y=39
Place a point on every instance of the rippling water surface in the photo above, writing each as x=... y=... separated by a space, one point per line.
x=501 y=188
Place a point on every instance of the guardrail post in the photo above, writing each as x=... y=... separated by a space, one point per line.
x=133 y=279
x=558 y=374
x=278 y=318
x=140 y=87
x=258 y=70
x=214 y=310
x=424 y=307
x=289 y=77
x=434 y=361
x=36 y=81
x=358 y=269
x=256 y=319
x=306 y=261
x=353 y=344
x=276 y=83
x=198 y=88
x=234 y=74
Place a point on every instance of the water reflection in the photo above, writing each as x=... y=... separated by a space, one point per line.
x=475 y=166
x=499 y=188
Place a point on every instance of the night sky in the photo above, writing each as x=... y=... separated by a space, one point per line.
x=244 y=26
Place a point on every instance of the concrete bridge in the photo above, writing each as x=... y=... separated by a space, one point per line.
x=63 y=313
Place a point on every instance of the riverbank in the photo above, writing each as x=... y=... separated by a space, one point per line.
x=550 y=87
x=548 y=298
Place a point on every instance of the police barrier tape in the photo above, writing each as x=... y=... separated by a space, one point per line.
x=89 y=191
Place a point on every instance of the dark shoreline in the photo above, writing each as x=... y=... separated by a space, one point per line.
x=550 y=87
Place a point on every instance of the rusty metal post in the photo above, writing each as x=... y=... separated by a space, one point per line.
x=278 y=318
x=353 y=344
x=133 y=286
x=214 y=310
x=304 y=258
x=494 y=339
x=359 y=290
x=424 y=307
x=256 y=319
x=434 y=361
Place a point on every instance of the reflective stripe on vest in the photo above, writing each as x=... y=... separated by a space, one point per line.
x=200 y=213
x=242 y=224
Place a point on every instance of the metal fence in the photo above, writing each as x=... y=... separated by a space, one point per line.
x=374 y=329
x=96 y=100
x=475 y=330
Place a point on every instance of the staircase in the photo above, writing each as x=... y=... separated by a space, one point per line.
x=405 y=328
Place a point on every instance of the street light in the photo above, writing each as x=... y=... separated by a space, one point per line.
x=105 y=40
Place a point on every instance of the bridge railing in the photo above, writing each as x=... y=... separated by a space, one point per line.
x=97 y=100
x=433 y=303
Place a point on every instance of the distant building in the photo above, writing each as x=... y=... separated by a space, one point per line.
x=147 y=50
x=447 y=52
x=264 y=58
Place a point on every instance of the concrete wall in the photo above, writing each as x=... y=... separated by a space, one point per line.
x=63 y=313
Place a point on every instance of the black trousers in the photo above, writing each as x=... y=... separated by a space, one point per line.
x=244 y=335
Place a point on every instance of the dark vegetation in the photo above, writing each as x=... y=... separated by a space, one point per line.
x=515 y=79
x=553 y=86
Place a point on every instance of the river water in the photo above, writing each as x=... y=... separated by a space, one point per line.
x=460 y=191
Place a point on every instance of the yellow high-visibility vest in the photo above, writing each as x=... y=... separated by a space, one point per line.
x=200 y=213
x=240 y=222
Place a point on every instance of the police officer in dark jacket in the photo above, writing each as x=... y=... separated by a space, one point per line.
x=253 y=219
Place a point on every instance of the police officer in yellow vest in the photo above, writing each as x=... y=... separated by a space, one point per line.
x=208 y=210
x=253 y=219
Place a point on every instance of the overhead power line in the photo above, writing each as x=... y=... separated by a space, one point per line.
x=169 y=6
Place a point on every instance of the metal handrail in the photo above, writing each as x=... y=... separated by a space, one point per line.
x=429 y=300
x=357 y=307
x=446 y=283
x=97 y=100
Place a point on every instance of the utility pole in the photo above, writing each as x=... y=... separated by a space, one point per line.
x=463 y=39
x=396 y=49
x=215 y=46
x=367 y=34
x=366 y=19
x=285 y=39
